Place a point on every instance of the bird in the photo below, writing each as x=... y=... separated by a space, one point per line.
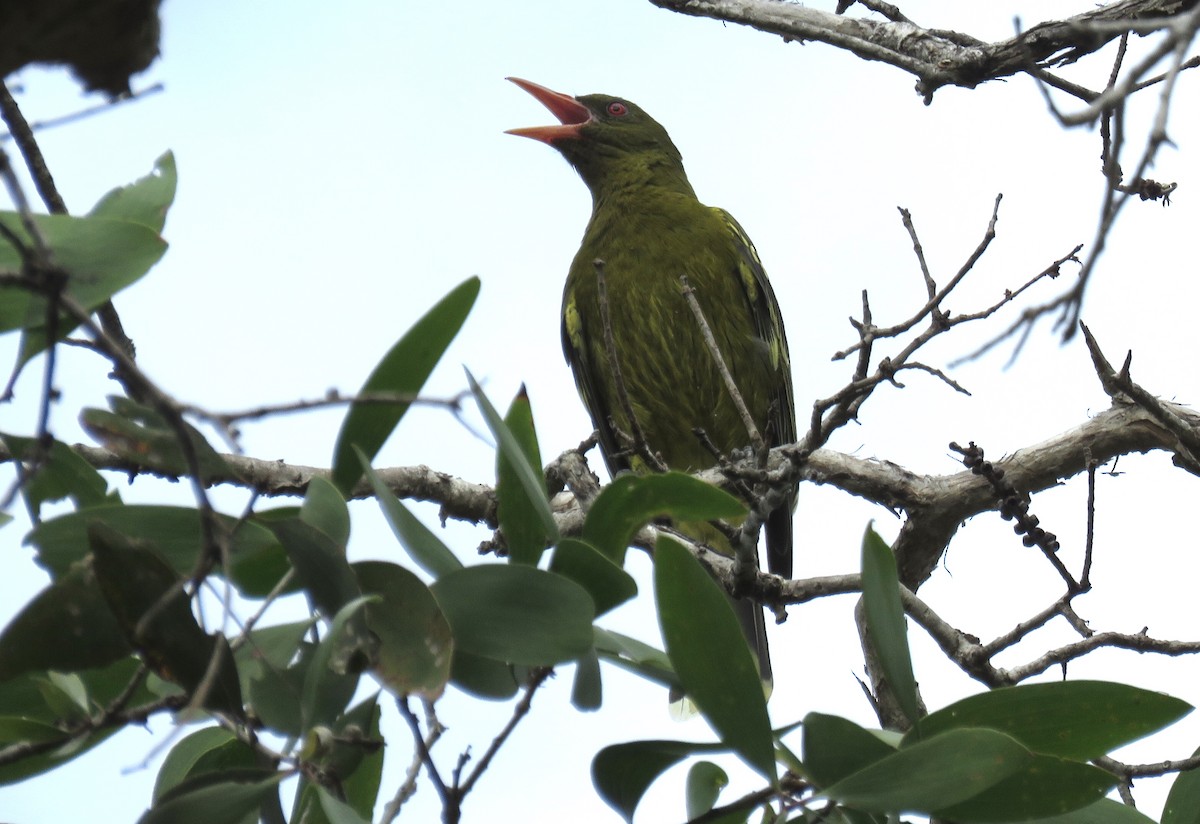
x=647 y=229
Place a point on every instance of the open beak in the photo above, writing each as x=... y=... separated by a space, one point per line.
x=572 y=114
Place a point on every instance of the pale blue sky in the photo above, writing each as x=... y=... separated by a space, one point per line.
x=342 y=166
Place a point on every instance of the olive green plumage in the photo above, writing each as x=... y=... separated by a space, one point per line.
x=649 y=228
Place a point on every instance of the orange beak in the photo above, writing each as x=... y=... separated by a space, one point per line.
x=572 y=114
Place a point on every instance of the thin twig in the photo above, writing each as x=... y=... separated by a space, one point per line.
x=536 y=679
x=689 y=294
x=73 y=117
x=423 y=751
x=408 y=787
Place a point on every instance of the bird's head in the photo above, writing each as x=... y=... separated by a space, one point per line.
x=605 y=137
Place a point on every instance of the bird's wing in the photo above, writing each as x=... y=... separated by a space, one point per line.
x=582 y=361
x=781 y=429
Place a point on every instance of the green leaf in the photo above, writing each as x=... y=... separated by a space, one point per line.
x=933 y=774
x=360 y=764
x=483 y=677
x=885 y=621
x=223 y=802
x=516 y=613
x=709 y=652
x=19 y=730
x=587 y=690
x=276 y=695
x=208 y=750
x=415 y=644
x=55 y=473
x=154 y=612
x=66 y=696
x=705 y=781
x=631 y=501
x=1073 y=719
x=351 y=754
x=258 y=558
x=321 y=566
x=144 y=201
x=1104 y=811
x=531 y=479
x=422 y=544
x=607 y=583
x=402 y=371
x=1046 y=785
x=325 y=508
x=338 y=812
x=68 y=626
x=519 y=516
x=835 y=748
x=269 y=649
x=100 y=257
x=141 y=435
x=622 y=773
x=322 y=679
x=1183 y=802
x=633 y=655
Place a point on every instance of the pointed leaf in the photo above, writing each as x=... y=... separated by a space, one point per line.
x=154 y=612
x=67 y=626
x=835 y=748
x=516 y=613
x=209 y=750
x=483 y=677
x=607 y=583
x=1045 y=786
x=14 y=731
x=1073 y=719
x=705 y=781
x=99 y=257
x=269 y=649
x=258 y=559
x=633 y=655
x=422 y=544
x=141 y=435
x=1104 y=811
x=885 y=620
x=709 y=652
x=631 y=501
x=403 y=371
x=144 y=201
x=338 y=812
x=518 y=514
x=277 y=696
x=350 y=754
x=415 y=645
x=622 y=773
x=325 y=508
x=55 y=473
x=531 y=479
x=362 y=773
x=323 y=677
x=936 y=773
x=224 y=802
x=1183 y=802
x=587 y=690
x=321 y=567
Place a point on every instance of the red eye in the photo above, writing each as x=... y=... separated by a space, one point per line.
x=618 y=109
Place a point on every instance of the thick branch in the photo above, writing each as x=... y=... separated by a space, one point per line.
x=937 y=58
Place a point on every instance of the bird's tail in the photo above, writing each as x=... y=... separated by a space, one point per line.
x=754 y=626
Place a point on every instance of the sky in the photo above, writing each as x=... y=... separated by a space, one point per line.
x=343 y=166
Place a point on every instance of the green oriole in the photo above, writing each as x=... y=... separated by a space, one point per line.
x=649 y=229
